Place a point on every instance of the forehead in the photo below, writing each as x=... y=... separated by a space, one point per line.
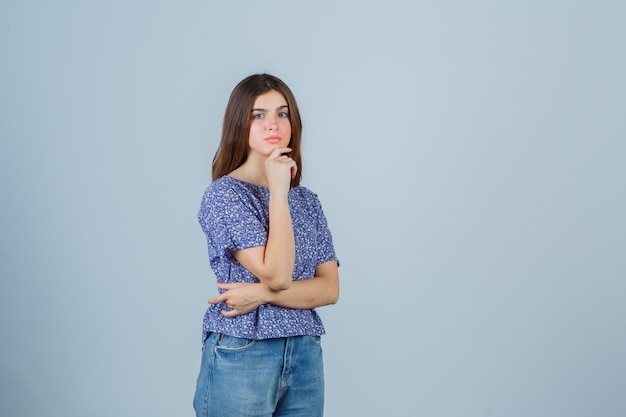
x=270 y=100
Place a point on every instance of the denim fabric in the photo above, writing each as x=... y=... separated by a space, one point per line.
x=260 y=378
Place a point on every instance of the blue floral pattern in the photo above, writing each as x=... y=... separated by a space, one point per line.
x=235 y=215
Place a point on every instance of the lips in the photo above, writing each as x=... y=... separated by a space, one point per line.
x=273 y=139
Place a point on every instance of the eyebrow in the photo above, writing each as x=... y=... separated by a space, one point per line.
x=277 y=108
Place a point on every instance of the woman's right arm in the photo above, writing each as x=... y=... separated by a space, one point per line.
x=318 y=291
x=273 y=263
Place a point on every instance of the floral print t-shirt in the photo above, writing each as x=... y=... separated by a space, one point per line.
x=235 y=215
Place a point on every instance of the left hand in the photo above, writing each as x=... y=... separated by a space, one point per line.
x=240 y=297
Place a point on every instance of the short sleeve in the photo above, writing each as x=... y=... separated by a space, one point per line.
x=230 y=222
x=325 y=247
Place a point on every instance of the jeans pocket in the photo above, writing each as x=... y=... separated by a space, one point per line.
x=233 y=344
x=316 y=340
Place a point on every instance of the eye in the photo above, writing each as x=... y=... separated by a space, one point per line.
x=257 y=116
x=283 y=114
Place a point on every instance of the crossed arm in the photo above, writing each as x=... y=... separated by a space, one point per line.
x=273 y=263
x=320 y=290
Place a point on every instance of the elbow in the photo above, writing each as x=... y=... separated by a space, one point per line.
x=333 y=296
x=280 y=285
x=276 y=280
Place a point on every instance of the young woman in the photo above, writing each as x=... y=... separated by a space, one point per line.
x=272 y=253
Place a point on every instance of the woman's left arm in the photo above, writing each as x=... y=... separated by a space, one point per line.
x=321 y=290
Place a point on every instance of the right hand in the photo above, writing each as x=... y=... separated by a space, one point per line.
x=280 y=169
x=240 y=297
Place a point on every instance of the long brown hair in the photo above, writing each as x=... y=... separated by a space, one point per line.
x=233 y=149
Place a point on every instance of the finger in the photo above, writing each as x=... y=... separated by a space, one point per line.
x=226 y=286
x=217 y=299
x=231 y=313
x=279 y=152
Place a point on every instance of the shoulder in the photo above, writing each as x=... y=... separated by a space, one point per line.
x=219 y=187
x=304 y=193
x=307 y=197
x=219 y=193
x=229 y=193
x=227 y=188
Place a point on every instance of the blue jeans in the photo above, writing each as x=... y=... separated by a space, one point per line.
x=260 y=378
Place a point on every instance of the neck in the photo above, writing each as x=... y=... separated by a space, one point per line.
x=252 y=171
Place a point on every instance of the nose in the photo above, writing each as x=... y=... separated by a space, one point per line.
x=272 y=122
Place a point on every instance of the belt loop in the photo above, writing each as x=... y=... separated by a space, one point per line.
x=220 y=338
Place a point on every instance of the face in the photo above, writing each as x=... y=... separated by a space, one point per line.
x=270 y=127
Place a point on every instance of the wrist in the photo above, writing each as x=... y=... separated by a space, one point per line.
x=279 y=196
x=268 y=295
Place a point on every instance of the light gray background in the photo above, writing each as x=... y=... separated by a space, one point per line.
x=469 y=157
